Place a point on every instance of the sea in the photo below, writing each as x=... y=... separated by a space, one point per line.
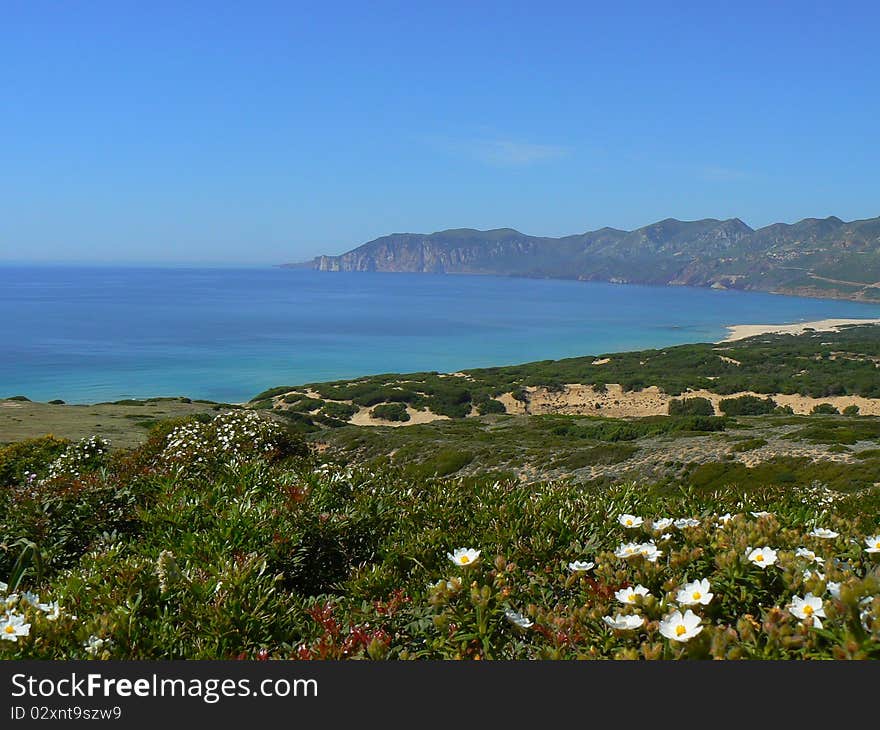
x=93 y=334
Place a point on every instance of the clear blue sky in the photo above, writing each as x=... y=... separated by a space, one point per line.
x=265 y=132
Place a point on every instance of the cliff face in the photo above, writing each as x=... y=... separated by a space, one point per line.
x=814 y=257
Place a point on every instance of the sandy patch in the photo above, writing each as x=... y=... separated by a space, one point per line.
x=601 y=361
x=741 y=331
x=577 y=399
x=730 y=360
x=363 y=418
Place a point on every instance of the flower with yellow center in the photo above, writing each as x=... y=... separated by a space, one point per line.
x=661 y=524
x=630 y=521
x=627 y=550
x=631 y=595
x=464 y=556
x=873 y=543
x=763 y=557
x=681 y=627
x=824 y=533
x=12 y=626
x=649 y=551
x=809 y=606
x=695 y=593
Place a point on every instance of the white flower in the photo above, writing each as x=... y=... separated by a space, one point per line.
x=833 y=589
x=649 y=551
x=873 y=543
x=661 y=524
x=624 y=623
x=627 y=550
x=809 y=574
x=683 y=522
x=809 y=606
x=630 y=595
x=630 y=521
x=517 y=619
x=30 y=598
x=809 y=555
x=3 y=587
x=12 y=626
x=665 y=536
x=695 y=592
x=464 y=556
x=94 y=644
x=759 y=515
x=823 y=532
x=580 y=565
x=678 y=627
x=763 y=557
x=9 y=602
x=724 y=519
x=52 y=610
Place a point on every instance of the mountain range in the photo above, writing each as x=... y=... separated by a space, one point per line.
x=819 y=257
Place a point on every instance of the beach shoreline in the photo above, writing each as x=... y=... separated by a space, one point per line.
x=742 y=331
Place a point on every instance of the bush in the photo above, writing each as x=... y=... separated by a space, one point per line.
x=443 y=463
x=56 y=402
x=390 y=412
x=490 y=405
x=825 y=409
x=691 y=407
x=747 y=405
x=851 y=410
x=31 y=457
x=340 y=411
x=22 y=398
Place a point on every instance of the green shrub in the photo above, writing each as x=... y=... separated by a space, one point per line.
x=443 y=463
x=747 y=445
x=30 y=457
x=605 y=454
x=390 y=412
x=339 y=411
x=851 y=410
x=56 y=402
x=825 y=409
x=691 y=407
x=747 y=405
x=490 y=405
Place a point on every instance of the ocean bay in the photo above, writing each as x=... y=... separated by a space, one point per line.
x=89 y=334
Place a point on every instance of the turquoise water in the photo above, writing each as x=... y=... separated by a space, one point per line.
x=97 y=334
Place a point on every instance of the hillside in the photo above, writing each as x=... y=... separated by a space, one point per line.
x=815 y=257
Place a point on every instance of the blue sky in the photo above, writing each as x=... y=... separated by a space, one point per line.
x=265 y=132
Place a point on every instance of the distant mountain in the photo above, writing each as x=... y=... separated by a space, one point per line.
x=824 y=257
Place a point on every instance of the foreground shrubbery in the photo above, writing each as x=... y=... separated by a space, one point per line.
x=225 y=539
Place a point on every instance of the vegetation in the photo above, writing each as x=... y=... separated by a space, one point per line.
x=390 y=412
x=692 y=407
x=225 y=538
x=817 y=365
x=747 y=405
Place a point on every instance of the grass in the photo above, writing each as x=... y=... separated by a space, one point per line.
x=120 y=424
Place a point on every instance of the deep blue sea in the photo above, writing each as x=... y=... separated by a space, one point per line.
x=96 y=334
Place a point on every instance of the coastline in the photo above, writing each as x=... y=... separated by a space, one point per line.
x=742 y=331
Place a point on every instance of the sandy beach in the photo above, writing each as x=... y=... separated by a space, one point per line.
x=741 y=331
